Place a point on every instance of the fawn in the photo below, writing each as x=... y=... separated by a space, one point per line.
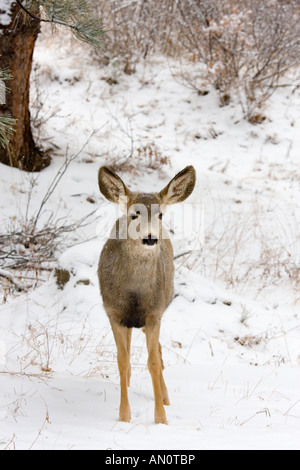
x=136 y=275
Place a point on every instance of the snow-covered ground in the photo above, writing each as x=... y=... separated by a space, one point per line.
x=231 y=336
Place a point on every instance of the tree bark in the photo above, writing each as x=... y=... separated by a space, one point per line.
x=17 y=41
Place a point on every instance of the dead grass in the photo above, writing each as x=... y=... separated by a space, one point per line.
x=29 y=247
x=250 y=249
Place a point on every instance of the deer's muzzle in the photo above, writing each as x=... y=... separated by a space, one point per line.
x=150 y=241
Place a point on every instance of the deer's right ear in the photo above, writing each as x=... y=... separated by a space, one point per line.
x=111 y=185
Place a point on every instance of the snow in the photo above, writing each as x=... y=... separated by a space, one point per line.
x=230 y=338
x=5 y=7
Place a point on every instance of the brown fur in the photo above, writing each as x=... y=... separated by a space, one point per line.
x=136 y=281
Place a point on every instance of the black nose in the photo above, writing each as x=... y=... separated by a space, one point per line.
x=150 y=241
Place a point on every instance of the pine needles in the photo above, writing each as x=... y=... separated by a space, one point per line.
x=6 y=122
x=6 y=129
x=77 y=15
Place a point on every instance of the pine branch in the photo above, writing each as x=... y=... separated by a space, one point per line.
x=76 y=15
x=6 y=122
x=5 y=75
x=6 y=128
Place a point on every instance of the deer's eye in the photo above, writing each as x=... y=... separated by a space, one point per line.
x=160 y=216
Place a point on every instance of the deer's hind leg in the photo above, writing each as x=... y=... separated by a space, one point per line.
x=155 y=369
x=129 y=333
x=122 y=338
x=164 y=390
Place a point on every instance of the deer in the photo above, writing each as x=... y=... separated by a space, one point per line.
x=136 y=275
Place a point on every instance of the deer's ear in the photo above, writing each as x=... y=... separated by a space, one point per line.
x=180 y=187
x=111 y=185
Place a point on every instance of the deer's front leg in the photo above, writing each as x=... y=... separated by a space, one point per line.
x=155 y=369
x=121 y=338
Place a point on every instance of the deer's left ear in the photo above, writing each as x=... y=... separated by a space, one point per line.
x=180 y=187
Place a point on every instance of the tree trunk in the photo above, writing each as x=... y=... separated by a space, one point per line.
x=17 y=41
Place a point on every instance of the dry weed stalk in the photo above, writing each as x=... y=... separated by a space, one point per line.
x=242 y=49
x=29 y=247
x=138 y=28
x=10 y=443
x=249 y=249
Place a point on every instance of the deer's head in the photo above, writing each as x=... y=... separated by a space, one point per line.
x=144 y=211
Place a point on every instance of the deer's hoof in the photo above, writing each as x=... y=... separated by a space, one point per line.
x=125 y=416
x=160 y=418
